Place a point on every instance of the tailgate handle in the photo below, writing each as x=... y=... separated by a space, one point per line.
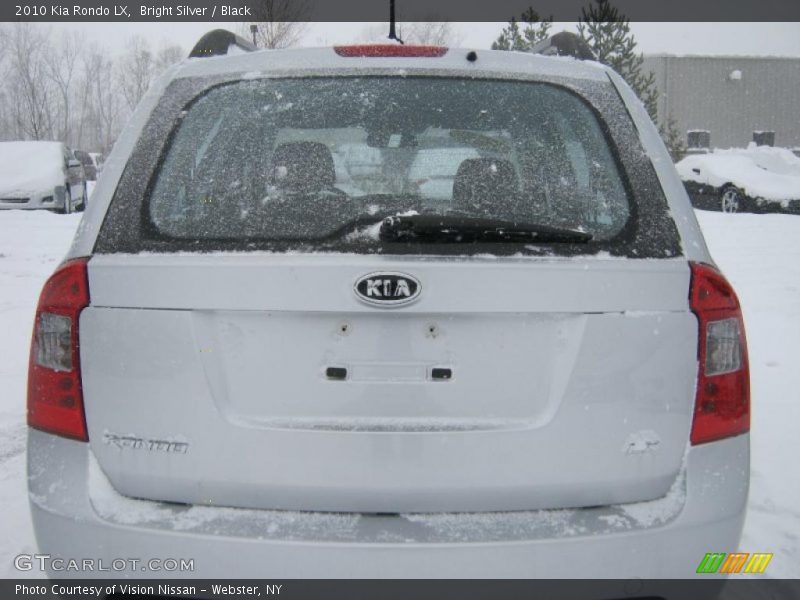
x=337 y=373
x=441 y=373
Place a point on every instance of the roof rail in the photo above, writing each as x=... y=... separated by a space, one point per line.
x=564 y=43
x=218 y=43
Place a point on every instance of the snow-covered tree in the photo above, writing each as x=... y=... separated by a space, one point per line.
x=534 y=29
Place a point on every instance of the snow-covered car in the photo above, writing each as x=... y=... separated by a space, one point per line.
x=752 y=179
x=37 y=175
x=245 y=362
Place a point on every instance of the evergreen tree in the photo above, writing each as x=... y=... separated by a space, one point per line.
x=673 y=139
x=608 y=33
x=534 y=31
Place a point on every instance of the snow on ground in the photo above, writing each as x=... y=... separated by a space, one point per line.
x=760 y=254
x=32 y=243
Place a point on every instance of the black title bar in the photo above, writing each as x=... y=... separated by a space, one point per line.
x=378 y=10
x=372 y=589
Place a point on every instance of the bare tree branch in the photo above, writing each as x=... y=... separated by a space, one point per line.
x=279 y=23
x=166 y=57
x=31 y=92
x=429 y=33
x=426 y=33
x=61 y=63
x=135 y=71
x=104 y=100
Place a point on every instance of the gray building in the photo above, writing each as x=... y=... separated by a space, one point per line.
x=730 y=96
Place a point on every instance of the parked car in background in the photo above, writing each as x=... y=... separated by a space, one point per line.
x=487 y=340
x=754 y=179
x=36 y=175
x=89 y=168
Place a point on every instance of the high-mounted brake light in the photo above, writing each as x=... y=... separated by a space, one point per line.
x=389 y=50
x=722 y=404
x=55 y=396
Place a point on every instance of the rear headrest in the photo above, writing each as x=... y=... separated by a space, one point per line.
x=482 y=182
x=305 y=167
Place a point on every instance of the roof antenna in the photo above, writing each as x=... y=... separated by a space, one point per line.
x=392 y=33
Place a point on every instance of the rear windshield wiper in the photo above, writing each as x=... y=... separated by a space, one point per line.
x=464 y=228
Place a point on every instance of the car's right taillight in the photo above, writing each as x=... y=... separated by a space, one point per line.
x=722 y=404
x=55 y=394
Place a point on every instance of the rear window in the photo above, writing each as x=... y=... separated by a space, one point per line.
x=316 y=163
x=313 y=159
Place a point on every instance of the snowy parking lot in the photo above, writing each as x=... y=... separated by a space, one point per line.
x=760 y=254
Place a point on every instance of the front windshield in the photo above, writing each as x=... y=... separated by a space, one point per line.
x=322 y=158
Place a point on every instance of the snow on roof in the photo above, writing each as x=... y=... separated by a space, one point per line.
x=30 y=167
x=454 y=61
x=21 y=152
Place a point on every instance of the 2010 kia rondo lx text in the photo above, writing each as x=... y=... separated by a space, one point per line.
x=390 y=311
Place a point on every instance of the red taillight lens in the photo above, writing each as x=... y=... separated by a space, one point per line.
x=389 y=50
x=722 y=405
x=55 y=396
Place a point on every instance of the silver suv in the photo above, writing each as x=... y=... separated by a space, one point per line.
x=271 y=352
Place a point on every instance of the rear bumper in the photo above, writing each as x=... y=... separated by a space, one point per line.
x=76 y=514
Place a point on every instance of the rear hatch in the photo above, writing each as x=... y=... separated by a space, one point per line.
x=205 y=381
x=231 y=355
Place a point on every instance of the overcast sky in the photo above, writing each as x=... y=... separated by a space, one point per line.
x=774 y=39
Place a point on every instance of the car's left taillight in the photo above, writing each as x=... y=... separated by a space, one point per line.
x=55 y=395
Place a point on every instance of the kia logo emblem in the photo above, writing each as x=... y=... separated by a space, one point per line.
x=387 y=288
